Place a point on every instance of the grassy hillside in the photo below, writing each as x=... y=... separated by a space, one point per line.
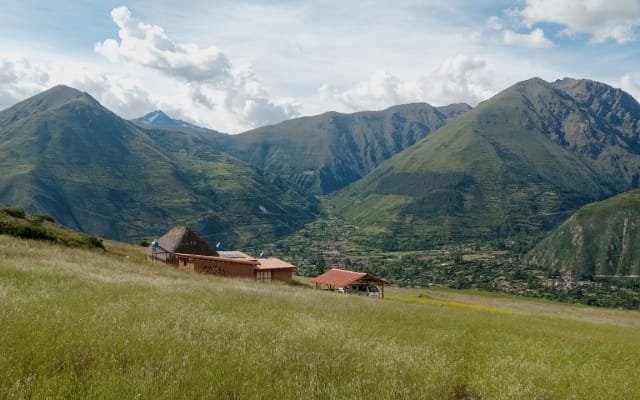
x=15 y=222
x=77 y=324
x=65 y=155
x=599 y=240
x=493 y=173
x=326 y=152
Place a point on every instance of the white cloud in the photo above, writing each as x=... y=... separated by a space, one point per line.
x=535 y=39
x=130 y=97
x=20 y=79
x=457 y=79
x=233 y=97
x=121 y=94
x=631 y=83
x=295 y=47
x=603 y=20
x=149 y=46
x=381 y=90
x=247 y=97
x=495 y=23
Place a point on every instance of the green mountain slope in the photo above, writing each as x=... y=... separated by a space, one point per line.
x=514 y=166
x=15 y=222
x=65 y=155
x=327 y=152
x=600 y=239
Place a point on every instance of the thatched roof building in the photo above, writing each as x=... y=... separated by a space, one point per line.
x=180 y=239
x=182 y=248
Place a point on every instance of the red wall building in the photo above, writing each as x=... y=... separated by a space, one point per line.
x=238 y=265
x=182 y=248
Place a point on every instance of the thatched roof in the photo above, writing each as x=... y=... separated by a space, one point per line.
x=181 y=239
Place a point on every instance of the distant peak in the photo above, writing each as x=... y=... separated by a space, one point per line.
x=528 y=87
x=160 y=118
x=536 y=79
x=533 y=82
x=63 y=93
x=567 y=83
x=62 y=86
x=157 y=117
x=63 y=89
x=154 y=115
x=458 y=107
x=49 y=99
x=567 y=80
x=158 y=113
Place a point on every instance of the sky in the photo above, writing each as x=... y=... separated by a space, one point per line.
x=232 y=65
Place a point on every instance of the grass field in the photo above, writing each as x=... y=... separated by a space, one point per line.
x=94 y=324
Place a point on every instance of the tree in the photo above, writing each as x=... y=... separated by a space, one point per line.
x=320 y=264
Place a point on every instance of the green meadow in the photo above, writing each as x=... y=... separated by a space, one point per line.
x=84 y=324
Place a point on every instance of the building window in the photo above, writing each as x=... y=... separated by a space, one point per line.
x=263 y=276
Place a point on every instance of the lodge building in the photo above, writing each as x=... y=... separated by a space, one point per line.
x=183 y=249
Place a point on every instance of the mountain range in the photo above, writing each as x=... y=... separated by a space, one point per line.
x=409 y=177
x=65 y=155
x=515 y=166
x=327 y=152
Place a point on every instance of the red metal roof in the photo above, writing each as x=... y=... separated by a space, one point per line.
x=342 y=277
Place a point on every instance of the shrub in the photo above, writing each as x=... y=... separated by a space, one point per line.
x=32 y=228
x=43 y=218
x=13 y=212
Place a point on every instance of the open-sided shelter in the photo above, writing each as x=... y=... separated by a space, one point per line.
x=353 y=282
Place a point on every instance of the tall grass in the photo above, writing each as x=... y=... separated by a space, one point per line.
x=81 y=324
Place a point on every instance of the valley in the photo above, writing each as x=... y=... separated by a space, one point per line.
x=420 y=195
x=499 y=267
x=268 y=199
